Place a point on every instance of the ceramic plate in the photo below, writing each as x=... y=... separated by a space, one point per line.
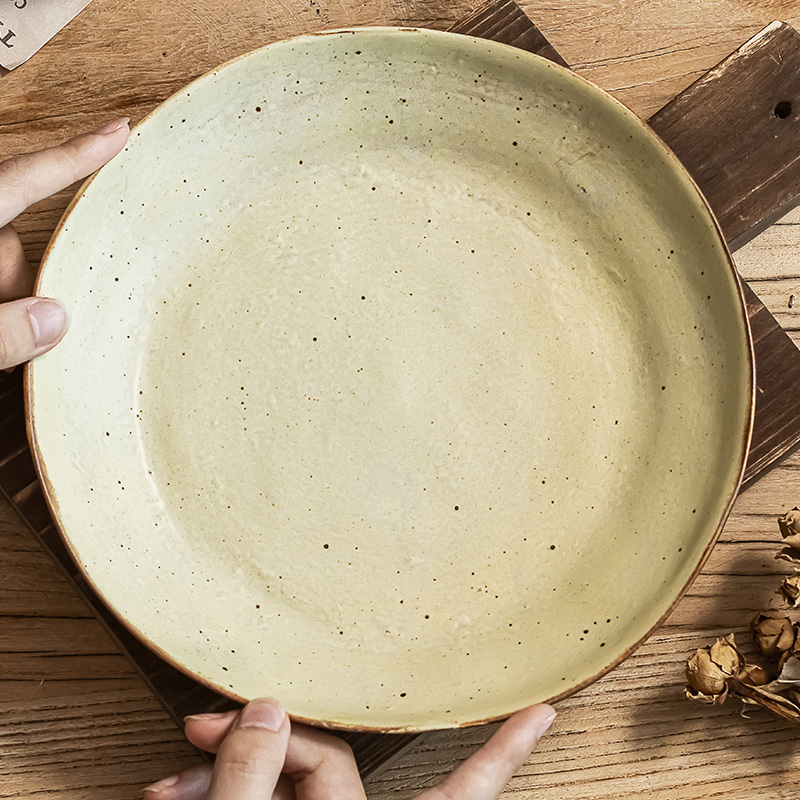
x=409 y=380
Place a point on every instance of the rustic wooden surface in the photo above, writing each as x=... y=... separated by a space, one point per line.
x=78 y=723
x=737 y=125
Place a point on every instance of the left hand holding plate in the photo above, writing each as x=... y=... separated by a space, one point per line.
x=30 y=326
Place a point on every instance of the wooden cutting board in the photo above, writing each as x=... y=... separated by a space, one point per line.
x=736 y=131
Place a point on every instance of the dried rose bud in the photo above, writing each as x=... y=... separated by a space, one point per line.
x=710 y=667
x=790 y=589
x=726 y=655
x=706 y=680
x=772 y=632
x=789 y=525
x=793 y=651
x=754 y=675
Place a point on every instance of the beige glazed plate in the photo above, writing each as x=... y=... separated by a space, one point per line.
x=408 y=380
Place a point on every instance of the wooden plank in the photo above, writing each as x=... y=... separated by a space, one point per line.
x=118 y=741
x=736 y=129
x=777 y=421
x=504 y=21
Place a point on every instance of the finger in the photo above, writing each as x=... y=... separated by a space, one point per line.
x=315 y=761
x=194 y=783
x=191 y=784
x=26 y=179
x=28 y=328
x=250 y=759
x=16 y=277
x=322 y=765
x=483 y=775
x=207 y=731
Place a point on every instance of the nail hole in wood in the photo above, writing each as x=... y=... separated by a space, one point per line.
x=783 y=109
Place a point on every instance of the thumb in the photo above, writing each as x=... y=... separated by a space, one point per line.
x=28 y=328
x=250 y=760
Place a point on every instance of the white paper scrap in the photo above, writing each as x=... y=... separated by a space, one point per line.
x=25 y=25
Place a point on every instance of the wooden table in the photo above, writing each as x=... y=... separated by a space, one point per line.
x=77 y=722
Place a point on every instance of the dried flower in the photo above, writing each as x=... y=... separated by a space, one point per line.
x=790 y=589
x=780 y=696
x=790 y=554
x=789 y=678
x=772 y=632
x=719 y=670
x=789 y=525
x=726 y=655
x=709 y=669
x=778 y=704
x=793 y=651
x=754 y=675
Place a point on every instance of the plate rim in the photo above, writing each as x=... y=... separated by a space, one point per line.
x=678 y=169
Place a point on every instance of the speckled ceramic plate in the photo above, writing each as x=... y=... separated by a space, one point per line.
x=409 y=380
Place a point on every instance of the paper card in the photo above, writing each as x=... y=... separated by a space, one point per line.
x=25 y=25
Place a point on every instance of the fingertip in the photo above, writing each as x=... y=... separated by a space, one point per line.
x=547 y=716
x=31 y=326
x=250 y=759
x=212 y=718
x=536 y=720
x=114 y=126
x=191 y=784
x=207 y=731
x=92 y=150
x=49 y=321
x=263 y=712
x=159 y=790
x=114 y=136
x=111 y=138
x=485 y=773
x=525 y=727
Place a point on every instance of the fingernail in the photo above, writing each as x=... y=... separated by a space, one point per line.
x=262 y=713
x=545 y=724
x=48 y=320
x=155 y=788
x=204 y=716
x=113 y=127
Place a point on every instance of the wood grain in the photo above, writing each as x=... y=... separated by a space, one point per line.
x=630 y=733
x=737 y=127
x=504 y=21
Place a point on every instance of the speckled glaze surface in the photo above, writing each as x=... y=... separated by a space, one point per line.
x=408 y=379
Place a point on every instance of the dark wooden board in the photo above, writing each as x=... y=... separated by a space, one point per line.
x=504 y=21
x=778 y=360
x=737 y=129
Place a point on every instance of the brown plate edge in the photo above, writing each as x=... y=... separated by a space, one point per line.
x=52 y=502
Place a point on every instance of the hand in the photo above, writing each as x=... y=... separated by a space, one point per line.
x=30 y=326
x=260 y=755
